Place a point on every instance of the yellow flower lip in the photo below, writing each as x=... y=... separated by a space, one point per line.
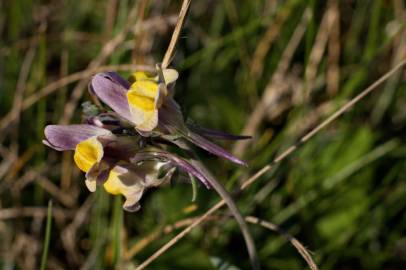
x=143 y=95
x=146 y=95
x=120 y=181
x=88 y=153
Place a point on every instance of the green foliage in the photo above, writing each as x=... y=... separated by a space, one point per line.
x=341 y=194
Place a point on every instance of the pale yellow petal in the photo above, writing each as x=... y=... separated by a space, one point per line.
x=170 y=75
x=119 y=184
x=145 y=88
x=143 y=100
x=87 y=153
x=91 y=185
x=113 y=185
x=142 y=76
x=150 y=121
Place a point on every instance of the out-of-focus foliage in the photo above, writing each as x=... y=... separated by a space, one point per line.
x=342 y=194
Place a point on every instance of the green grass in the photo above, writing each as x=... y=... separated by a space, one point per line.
x=47 y=239
x=341 y=194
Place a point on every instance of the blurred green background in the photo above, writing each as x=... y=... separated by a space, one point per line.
x=271 y=69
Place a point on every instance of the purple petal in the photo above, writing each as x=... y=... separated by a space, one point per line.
x=171 y=119
x=117 y=78
x=112 y=90
x=170 y=115
x=215 y=134
x=212 y=148
x=66 y=137
x=176 y=161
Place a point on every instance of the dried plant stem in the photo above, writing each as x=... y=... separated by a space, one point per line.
x=21 y=86
x=278 y=159
x=175 y=36
x=299 y=247
x=333 y=69
x=267 y=40
x=275 y=87
x=34 y=212
x=318 y=49
x=111 y=11
x=250 y=219
x=180 y=235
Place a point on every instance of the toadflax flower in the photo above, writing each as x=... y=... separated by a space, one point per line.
x=128 y=150
x=125 y=151
x=148 y=104
x=119 y=163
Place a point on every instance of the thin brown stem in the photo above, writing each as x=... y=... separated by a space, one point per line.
x=250 y=219
x=296 y=243
x=176 y=32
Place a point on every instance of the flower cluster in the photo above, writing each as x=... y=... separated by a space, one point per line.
x=124 y=148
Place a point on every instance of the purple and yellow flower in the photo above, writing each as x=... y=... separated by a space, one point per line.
x=139 y=102
x=98 y=153
x=148 y=104
x=118 y=163
x=147 y=95
x=125 y=151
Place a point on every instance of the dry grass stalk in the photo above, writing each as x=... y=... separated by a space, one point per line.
x=34 y=212
x=399 y=48
x=257 y=65
x=111 y=11
x=176 y=32
x=333 y=70
x=319 y=46
x=296 y=243
x=276 y=86
x=250 y=219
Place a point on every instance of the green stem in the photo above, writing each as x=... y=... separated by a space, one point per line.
x=47 y=237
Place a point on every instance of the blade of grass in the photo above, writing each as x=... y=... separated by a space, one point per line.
x=117 y=224
x=336 y=179
x=47 y=239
